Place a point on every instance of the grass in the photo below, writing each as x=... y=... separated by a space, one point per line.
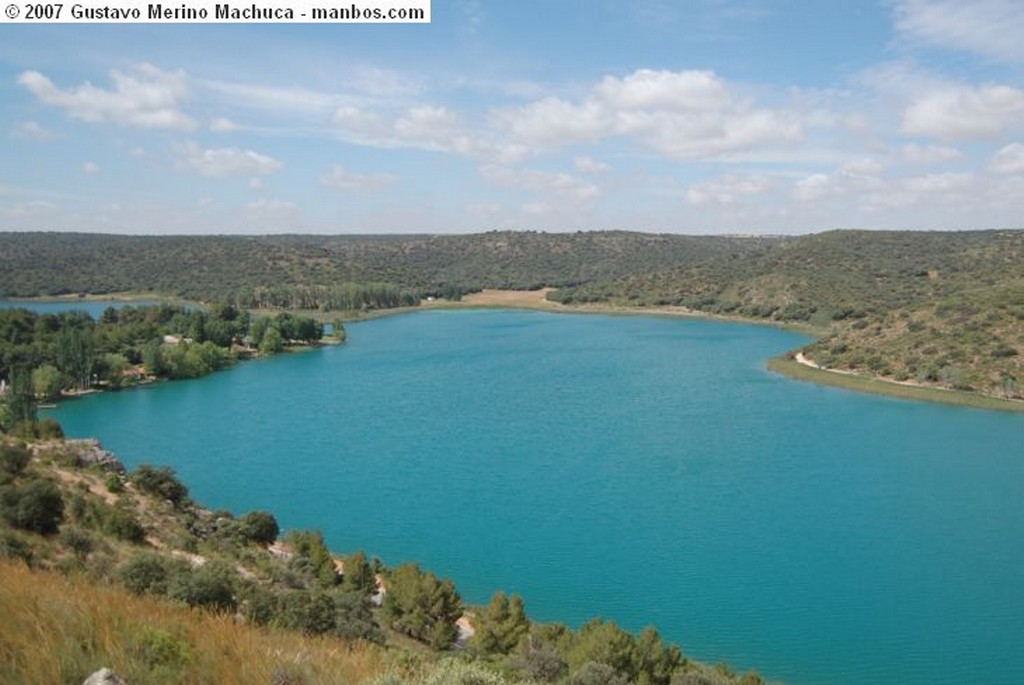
x=59 y=629
x=800 y=372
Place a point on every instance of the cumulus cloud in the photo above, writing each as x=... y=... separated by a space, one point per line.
x=929 y=154
x=727 y=190
x=991 y=28
x=686 y=114
x=558 y=184
x=145 y=98
x=341 y=178
x=424 y=127
x=1008 y=160
x=588 y=165
x=813 y=187
x=221 y=162
x=965 y=112
x=223 y=125
x=32 y=130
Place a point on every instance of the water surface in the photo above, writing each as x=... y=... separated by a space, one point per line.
x=646 y=470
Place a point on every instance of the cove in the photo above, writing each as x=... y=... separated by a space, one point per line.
x=646 y=470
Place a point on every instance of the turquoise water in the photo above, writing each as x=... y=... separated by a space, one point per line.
x=646 y=470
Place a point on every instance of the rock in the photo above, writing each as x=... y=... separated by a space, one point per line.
x=104 y=676
x=91 y=453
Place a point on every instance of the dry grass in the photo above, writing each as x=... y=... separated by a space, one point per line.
x=56 y=629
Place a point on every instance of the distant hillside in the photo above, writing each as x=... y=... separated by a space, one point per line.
x=227 y=267
x=934 y=308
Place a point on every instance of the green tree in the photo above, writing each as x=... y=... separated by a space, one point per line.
x=359 y=576
x=20 y=403
x=353 y=619
x=210 y=586
x=75 y=355
x=501 y=625
x=260 y=527
x=46 y=381
x=271 y=342
x=421 y=606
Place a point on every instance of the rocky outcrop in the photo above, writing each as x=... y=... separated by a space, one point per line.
x=104 y=676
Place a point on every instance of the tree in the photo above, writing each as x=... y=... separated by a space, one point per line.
x=353 y=619
x=359 y=576
x=271 y=342
x=46 y=381
x=501 y=625
x=421 y=606
x=260 y=527
x=75 y=355
x=210 y=586
x=20 y=402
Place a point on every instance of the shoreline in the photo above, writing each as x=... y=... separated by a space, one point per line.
x=536 y=300
x=800 y=371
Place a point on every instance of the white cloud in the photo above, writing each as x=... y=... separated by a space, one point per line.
x=685 y=115
x=965 y=112
x=90 y=168
x=425 y=127
x=929 y=154
x=146 y=98
x=270 y=206
x=256 y=183
x=223 y=125
x=665 y=90
x=1008 y=160
x=588 y=165
x=341 y=178
x=227 y=161
x=558 y=184
x=991 y=28
x=813 y=187
x=865 y=166
x=32 y=130
x=727 y=190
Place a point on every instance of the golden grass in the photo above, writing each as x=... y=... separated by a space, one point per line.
x=877 y=386
x=56 y=629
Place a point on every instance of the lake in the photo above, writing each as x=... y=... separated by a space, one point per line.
x=646 y=470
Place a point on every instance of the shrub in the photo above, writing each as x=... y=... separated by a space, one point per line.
x=13 y=547
x=209 y=586
x=49 y=429
x=14 y=458
x=36 y=506
x=160 y=482
x=311 y=612
x=146 y=574
x=260 y=527
x=122 y=523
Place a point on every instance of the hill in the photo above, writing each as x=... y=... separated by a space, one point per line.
x=103 y=568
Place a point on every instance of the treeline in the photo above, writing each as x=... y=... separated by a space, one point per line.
x=142 y=531
x=345 y=297
x=224 y=268
x=45 y=355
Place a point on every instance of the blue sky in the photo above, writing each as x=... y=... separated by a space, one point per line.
x=701 y=117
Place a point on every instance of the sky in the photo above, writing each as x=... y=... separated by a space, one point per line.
x=699 y=117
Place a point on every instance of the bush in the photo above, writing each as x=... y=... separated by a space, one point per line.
x=36 y=506
x=12 y=547
x=122 y=523
x=353 y=619
x=311 y=612
x=260 y=527
x=14 y=458
x=146 y=574
x=209 y=586
x=49 y=429
x=160 y=482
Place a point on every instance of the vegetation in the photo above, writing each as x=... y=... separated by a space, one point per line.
x=137 y=554
x=46 y=355
x=940 y=309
